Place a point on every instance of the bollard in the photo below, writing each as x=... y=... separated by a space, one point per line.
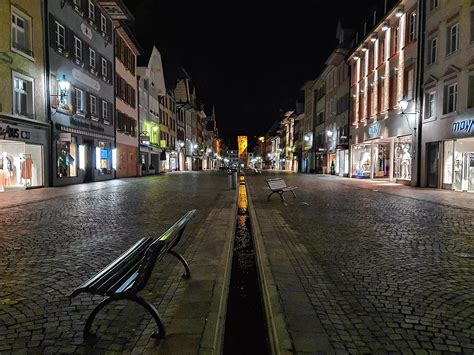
x=232 y=179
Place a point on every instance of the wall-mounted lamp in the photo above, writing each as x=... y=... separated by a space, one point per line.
x=399 y=13
x=364 y=49
x=356 y=57
x=64 y=86
x=373 y=39
x=385 y=27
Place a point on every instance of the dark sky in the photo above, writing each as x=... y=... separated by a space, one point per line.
x=249 y=58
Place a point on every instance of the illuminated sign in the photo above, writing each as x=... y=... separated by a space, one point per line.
x=465 y=126
x=242 y=143
x=374 y=130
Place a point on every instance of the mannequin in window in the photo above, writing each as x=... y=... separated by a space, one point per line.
x=7 y=168
x=406 y=161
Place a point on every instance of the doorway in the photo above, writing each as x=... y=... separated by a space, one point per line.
x=90 y=161
x=433 y=164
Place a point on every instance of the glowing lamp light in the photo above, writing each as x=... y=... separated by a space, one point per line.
x=97 y=158
x=64 y=85
x=399 y=13
x=329 y=133
x=373 y=39
x=155 y=129
x=82 y=157
x=114 y=158
x=181 y=144
x=403 y=104
x=364 y=49
x=385 y=27
x=306 y=138
x=195 y=146
x=356 y=57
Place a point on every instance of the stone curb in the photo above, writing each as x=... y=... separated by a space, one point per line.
x=278 y=334
x=223 y=280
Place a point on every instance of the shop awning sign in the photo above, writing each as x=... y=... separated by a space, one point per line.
x=464 y=126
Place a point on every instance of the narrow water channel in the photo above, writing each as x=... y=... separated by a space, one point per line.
x=245 y=329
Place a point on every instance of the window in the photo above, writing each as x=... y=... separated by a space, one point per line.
x=430 y=105
x=380 y=96
x=66 y=152
x=21 y=34
x=79 y=101
x=393 y=91
x=453 y=39
x=434 y=4
x=60 y=36
x=395 y=39
x=409 y=83
x=104 y=158
x=470 y=92
x=92 y=58
x=105 y=110
x=78 y=48
x=104 y=67
x=93 y=105
x=381 y=58
x=411 y=27
x=103 y=24
x=22 y=95
x=472 y=26
x=432 y=50
x=450 y=98
x=91 y=11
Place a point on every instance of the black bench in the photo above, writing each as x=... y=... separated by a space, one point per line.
x=123 y=278
x=278 y=186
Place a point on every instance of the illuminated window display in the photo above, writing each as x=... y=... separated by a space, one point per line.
x=463 y=167
x=448 y=162
x=104 y=158
x=403 y=158
x=362 y=161
x=66 y=152
x=21 y=165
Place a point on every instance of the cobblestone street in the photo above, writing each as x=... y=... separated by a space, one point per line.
x=364 y=271
x=50 y=246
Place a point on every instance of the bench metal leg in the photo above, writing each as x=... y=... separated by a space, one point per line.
x=187 y=273
x=268 y=198
x=92 y=316
x=282 y=197
x=154 y=312
x=294 y=195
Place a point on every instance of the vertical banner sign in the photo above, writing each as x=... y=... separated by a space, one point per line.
x=242 y=142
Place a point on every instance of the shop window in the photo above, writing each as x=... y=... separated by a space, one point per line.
x=23 y=96
x=448 y=162
x=403 y=160
x=450 y=98
x=66 y=153
x=104 y=158
x=452 y=39
x=362 y=161
x=430 y=102
x=21 y=31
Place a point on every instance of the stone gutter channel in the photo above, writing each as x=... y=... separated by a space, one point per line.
x=246 y=320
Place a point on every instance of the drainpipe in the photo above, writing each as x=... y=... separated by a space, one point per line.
x=139 y=165
x=418 y=84
x=47 y=91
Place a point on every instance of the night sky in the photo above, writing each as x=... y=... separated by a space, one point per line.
x=246 y=57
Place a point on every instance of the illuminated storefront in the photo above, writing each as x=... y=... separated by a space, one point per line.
x=23 y=156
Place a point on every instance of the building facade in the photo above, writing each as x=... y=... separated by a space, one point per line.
x=384 y=71
x=448 y=86
x=151 y=86
x=168 y=132
x=126 y=101
x=308 y=163
x=81 y=88
x=24 y=127
x=320 y=141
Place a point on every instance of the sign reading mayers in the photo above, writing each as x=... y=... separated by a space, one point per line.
x=465 y=126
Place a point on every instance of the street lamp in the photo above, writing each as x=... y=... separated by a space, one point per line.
x=64 y=86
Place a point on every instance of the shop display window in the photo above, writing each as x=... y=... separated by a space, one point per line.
x=403 y=159
x=21 y=165
x=66 y=152
x=463 y=177
x=362 y=161
x=104 y=158
x=448 y=162
x=381 y=160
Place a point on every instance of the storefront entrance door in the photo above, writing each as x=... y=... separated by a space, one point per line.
x=90 y=160
x=433 y=164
